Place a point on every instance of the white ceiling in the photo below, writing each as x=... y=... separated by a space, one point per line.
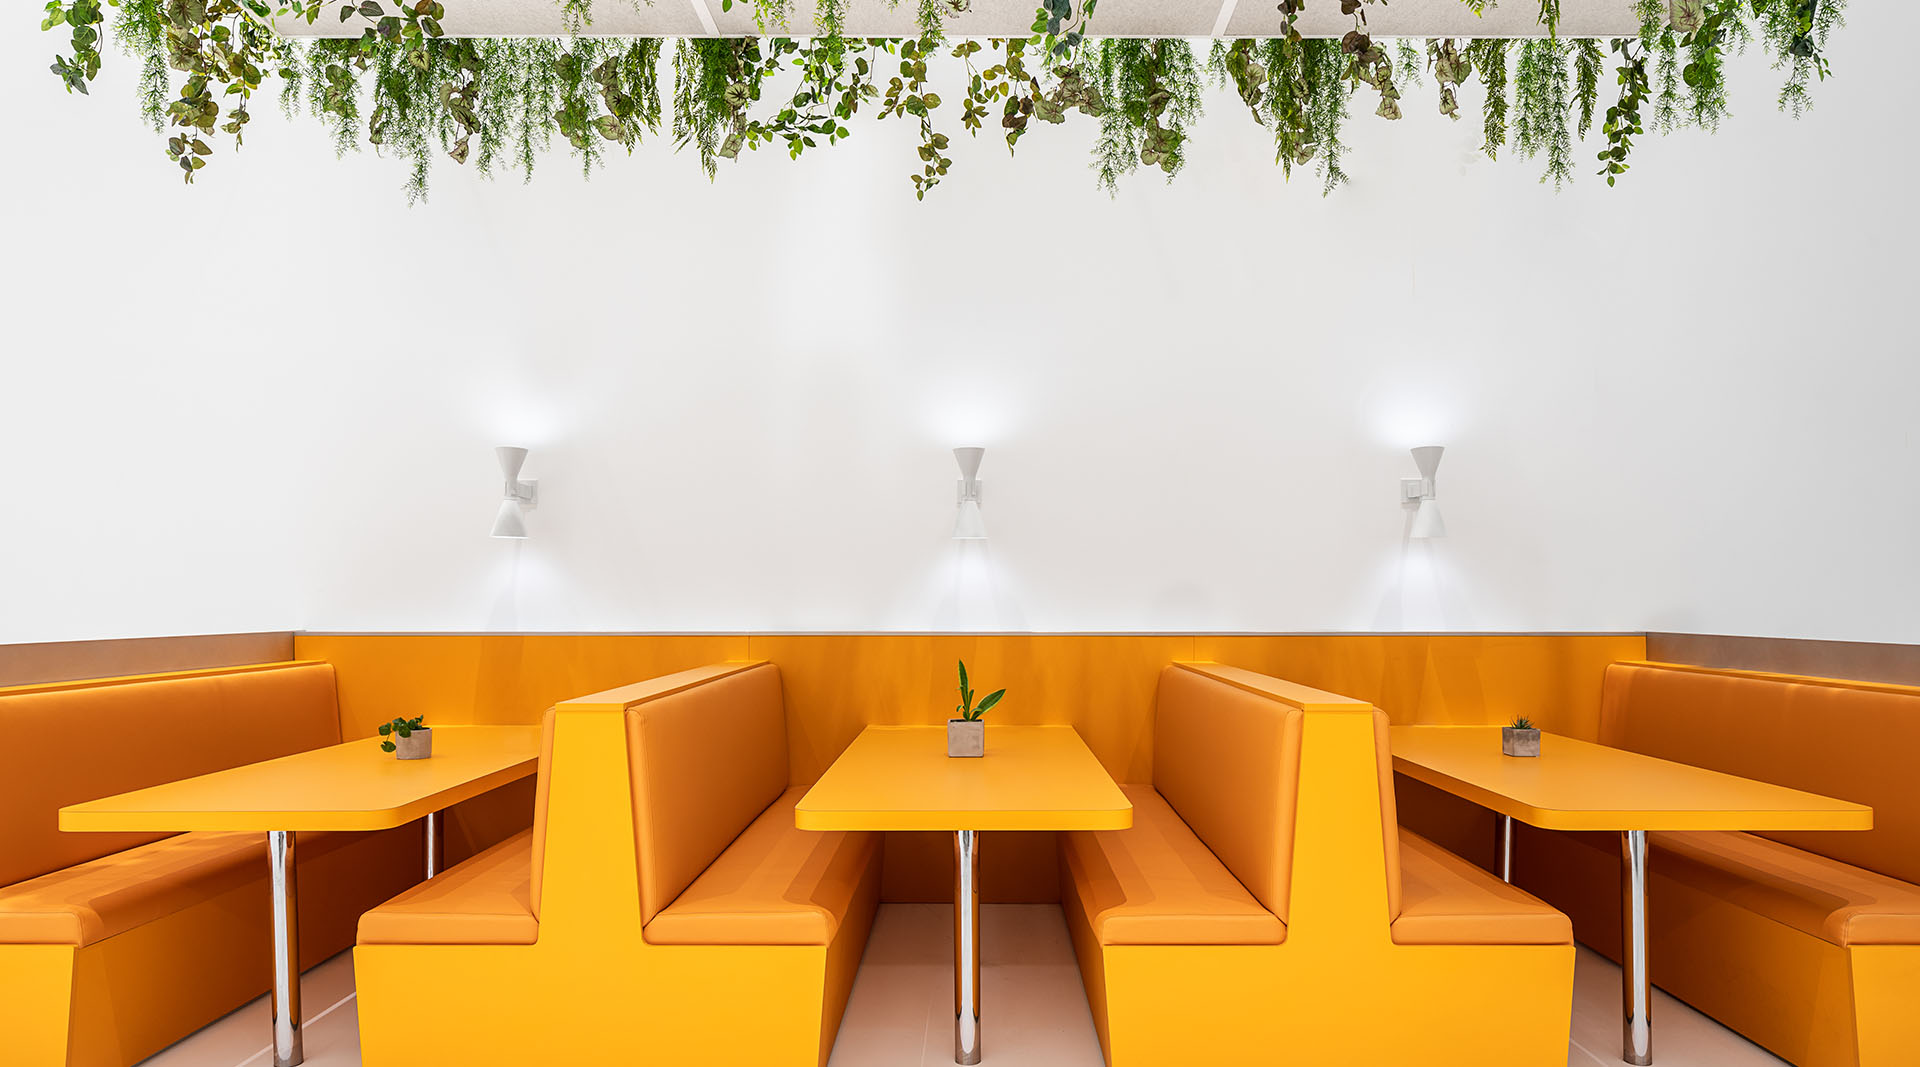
x=1008 y=18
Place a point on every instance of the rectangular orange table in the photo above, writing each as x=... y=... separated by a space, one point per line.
x=352 y=786
x=1577 y=785
x=901 y=778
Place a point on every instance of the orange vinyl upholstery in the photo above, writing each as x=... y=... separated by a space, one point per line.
x=1264 y=879
x=663 y=908
x=1227 y=762
x=1839 y=740
x=144 y=938
x=113 y=894
x=1390 y=836
x=1447 y=901
x=486 y=900
x=775 y=885
x=706 y=762
x=1808 y=943
x=1158 y=884
x=1815 y=895
x=133 y=734
x=543 y=773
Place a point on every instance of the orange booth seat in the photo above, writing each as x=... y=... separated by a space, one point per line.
x=113 y=946
x=1807 y=942
x=1266 y=905
x=663 y=909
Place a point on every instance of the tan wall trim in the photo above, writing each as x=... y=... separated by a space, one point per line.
x=65 y=661
x=1857 y=660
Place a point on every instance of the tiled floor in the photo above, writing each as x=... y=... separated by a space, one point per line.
x=1034 y=1013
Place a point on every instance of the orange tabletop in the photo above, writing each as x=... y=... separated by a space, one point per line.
x=1577 y=785
x=353 y=786
x=901 y=778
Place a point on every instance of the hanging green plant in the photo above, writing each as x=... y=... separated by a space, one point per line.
x=1490 y=62
x=1151 y=90
x=1623 y=118
x=1451 y=69
x=405 y=89
x=1541 y=100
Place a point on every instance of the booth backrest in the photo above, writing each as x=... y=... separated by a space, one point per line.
x=543 y=777
x=1854 y=741
x=73 y=742
x=1389 y=811
x=706 y=761
x=1228 y=761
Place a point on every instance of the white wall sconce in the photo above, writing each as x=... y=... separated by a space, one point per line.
x=968 y=523
x=521 y=496
x=1419 y=493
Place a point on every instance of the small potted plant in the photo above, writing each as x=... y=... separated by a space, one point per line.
x=967 y=735
x=407 y=738
x=1520 y=739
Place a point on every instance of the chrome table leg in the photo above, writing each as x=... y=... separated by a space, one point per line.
x=1506 y=847
x=285 y=1007
x=1636 y=986
x=966 y=946
x=433 y=843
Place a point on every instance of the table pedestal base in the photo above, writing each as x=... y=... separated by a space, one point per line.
x=966 y=946
x=285 y=1007
x=435 y=845
x=1636 y=985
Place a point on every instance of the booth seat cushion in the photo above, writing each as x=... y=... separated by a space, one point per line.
x=774 y=885
x=1828 y=899
x=1446 y=900
x=1158 y=884
x=113 y=894
x=485 y=900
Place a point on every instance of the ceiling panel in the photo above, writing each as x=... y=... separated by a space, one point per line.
x=1441 y=18
x=1004 y=18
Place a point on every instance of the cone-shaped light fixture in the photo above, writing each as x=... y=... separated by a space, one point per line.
x=520 y=497
x=510 y=520
x=968 y=523
x=1427 y=523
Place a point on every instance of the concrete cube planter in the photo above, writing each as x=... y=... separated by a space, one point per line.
x=418 y=744
x=1519 y=742
x=966 y=738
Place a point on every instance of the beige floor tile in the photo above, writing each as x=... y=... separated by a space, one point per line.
x=1033 y=1011
x=1682 y=1037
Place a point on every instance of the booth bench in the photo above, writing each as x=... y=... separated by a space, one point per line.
x=113 y=946
x=1266 y=904
x=662 y=909
x=1806 y=942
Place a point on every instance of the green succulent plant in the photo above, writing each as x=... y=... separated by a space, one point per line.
x=1523 y=723
x=969 y=711
x=401 y=728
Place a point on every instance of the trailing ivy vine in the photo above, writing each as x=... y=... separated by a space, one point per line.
x=1151 y=90
x=404 y=88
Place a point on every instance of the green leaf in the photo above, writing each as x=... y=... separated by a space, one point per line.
x=992 y=699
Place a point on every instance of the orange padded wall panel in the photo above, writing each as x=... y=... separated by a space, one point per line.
x=1462 y=679
x=1469 y=679
x=1102 y=684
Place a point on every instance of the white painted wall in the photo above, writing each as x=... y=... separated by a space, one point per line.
x=1683 y=404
